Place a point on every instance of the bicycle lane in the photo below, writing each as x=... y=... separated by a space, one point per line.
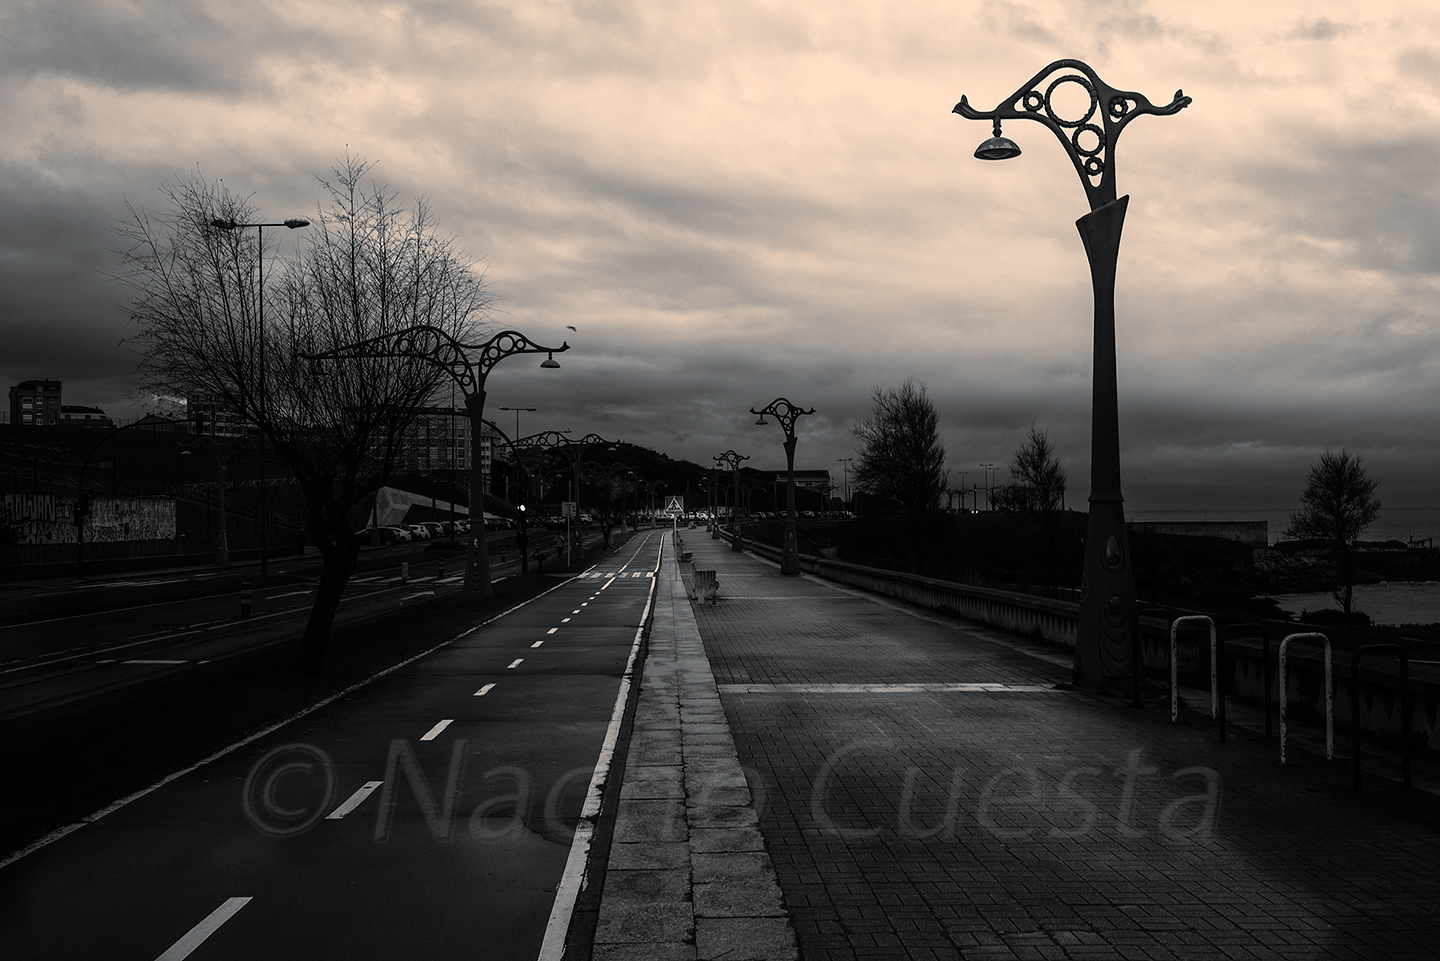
x=429 y=813
x=925 y=792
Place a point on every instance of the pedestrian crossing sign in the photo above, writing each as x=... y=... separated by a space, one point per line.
x=674 y=504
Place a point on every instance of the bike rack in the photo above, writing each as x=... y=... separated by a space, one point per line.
x=1264 y=667
x=1329 y=693
x=1405 y=705
x=1137 y=653
x=1175 y=667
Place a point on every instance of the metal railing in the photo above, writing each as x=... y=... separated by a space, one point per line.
x=1329 y=694
x=1405 y=709
x=1175 y=667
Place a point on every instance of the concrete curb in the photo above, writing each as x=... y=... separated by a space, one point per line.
x=688 y=875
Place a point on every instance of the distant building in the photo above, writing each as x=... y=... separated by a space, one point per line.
x=207 y=415
x=35 y=403
x=807 y=480
x=74 y=415
x=438 y=442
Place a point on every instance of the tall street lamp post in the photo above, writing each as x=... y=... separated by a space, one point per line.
x=786 y=413
x=294 y=223
x=1106 y=645
x=732 y=460
x=440 y=349
x=574 y=451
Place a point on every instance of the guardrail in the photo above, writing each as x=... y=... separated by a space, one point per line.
x=1329 y=693
x=1405 y=708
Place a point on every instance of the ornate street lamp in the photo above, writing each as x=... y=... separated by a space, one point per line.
x=294 y=223
x=574 y=451
x=732 y=460
x=439 y=349
x=1106 y=645
x=786 y=413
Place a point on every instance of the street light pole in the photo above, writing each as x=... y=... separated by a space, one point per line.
x=294 y=223
x=1106 y=645
x=440 y=349
x=732 y=460
x=787 y=413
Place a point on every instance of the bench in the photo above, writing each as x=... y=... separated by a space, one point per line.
x=707 y=586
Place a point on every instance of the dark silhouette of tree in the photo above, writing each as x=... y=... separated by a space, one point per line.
x=901 y=458
x=369 y=268
x=1338 y=503
x=1037 y=477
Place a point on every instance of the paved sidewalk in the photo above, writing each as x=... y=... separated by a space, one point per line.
x=688 y=876
x=925 y=792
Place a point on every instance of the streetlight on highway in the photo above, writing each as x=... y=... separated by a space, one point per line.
x=438 y=348
x=294 y=223
x=1106 y=642
x=787 y=413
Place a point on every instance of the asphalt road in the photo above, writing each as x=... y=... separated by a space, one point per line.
x=428 y=814
x=73 y=641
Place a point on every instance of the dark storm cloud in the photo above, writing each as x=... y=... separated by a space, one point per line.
x=177 y=45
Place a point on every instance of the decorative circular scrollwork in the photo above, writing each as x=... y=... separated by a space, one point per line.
x=1034 y=101
x=1118 y=108
x=1088 y=88
x=1094 y=166
x=1099 y=140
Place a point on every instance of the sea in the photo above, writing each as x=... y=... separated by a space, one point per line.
x=1390 y=603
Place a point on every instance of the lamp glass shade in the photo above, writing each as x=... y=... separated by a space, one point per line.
x=550 y=362
x=294 y=222
x=762 y=421
x=997 y=148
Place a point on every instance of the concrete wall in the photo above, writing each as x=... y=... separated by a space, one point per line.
x=47 y=519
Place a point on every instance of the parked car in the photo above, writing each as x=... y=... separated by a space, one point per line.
x=418 y=532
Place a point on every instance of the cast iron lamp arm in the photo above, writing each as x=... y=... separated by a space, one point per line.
x=783 y=411
x=1116 y=107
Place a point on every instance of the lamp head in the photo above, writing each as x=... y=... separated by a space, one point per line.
x=224 y=224
x=550 y=363
x=295 y=222
x=997 y=148
x=762 y=421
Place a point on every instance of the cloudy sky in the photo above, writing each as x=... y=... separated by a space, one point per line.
x=740 y=200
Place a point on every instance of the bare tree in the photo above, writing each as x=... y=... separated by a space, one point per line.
x=1037 y=477
x=1338 y=503
x=902 y=459
x=370 y=268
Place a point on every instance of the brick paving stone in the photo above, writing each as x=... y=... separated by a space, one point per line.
x=1036 y=824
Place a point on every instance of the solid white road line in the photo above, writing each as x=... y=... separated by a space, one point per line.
x=515 y=663
x=434 y=732
x=276 y=597
x=353 y=801
x=577 y=865
x=483 y=691
x=154 y=660
x=537 y=643
x=196 y=935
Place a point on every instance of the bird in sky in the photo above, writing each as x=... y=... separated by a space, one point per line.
x=568 y=327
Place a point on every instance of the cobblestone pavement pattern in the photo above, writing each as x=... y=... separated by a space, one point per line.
x=978 y=812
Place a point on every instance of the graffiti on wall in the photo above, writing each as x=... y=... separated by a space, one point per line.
x=46 y=519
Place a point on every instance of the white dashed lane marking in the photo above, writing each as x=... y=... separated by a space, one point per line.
x=553 y=630
x=537 y=643
x=197 y=935
x=354 y=801
x=484 y=690
x=515 y=663
x=434 y=732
